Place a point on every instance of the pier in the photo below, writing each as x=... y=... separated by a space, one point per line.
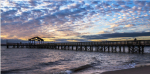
x=134 y=46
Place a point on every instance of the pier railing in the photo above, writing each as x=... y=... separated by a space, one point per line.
x=139 y=42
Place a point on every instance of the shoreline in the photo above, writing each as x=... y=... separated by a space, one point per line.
x=136 y=70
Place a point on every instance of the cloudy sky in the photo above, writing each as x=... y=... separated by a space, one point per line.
x=74 y=20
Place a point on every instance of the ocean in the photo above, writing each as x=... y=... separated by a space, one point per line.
x=52 y=61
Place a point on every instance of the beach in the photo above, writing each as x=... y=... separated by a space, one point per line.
x=138 y=70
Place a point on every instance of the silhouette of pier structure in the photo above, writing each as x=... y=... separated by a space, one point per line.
x=133 y=46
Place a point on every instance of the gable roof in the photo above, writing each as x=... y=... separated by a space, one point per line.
x=36 y=39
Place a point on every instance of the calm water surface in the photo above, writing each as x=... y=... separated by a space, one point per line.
x=50 y=61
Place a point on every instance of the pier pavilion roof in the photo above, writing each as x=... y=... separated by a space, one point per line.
x=36 y=39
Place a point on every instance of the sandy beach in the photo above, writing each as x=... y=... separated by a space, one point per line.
x=138 y=70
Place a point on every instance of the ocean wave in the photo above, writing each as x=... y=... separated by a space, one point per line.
x=58 y=62
x=142 y=65
x=15 y=70
x=50 y=63
x=77 y=69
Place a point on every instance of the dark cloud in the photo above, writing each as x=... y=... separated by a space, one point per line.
x=37 y=10
x=67 y=12
x=8 y=13
x=51 y=5
x=105 y=4
x=33 y=3
x=3 y=41
x=75 y=6
x=22 y=5
x=88 y=7
x=62 y=12
x=140 y=3
x=121 y=2
x=26 y=13
x=115 y=35
x=115 y=5
x=95 y=2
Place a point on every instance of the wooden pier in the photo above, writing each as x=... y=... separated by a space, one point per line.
x=107 y=46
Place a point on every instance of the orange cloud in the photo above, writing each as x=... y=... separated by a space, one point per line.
x=129 y=25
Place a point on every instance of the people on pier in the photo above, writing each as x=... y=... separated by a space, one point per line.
x=135 y=39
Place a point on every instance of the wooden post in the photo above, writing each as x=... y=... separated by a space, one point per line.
x=108 y=49
x=55 y=46
x=115 y=49
x=76 y=47
x=120 y=49
x=112 y=50
x=7 y=45
x=142 y=49
x=85 y=48
x=96 y=48
x=68 y=47
x=133 y=50
x=17 y=45
x=128 y=49
x=90 y=48
x=72 y=47
x=104 y=48
x=64 y=47
x=139 y=49
x=80 y=48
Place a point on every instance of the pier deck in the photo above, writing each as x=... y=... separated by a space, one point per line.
x=107 y=46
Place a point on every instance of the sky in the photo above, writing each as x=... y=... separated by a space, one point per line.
x=75 y=20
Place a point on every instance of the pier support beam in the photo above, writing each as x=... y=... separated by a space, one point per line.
x=129 y=49
x=7 y=46
x=17 y=45
x=142 y=49
x=85 y=48
x=108 y=49
x=119 y=49
x=72 y=47
x=76 y=48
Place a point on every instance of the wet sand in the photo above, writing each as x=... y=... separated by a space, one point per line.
x=139 y=70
